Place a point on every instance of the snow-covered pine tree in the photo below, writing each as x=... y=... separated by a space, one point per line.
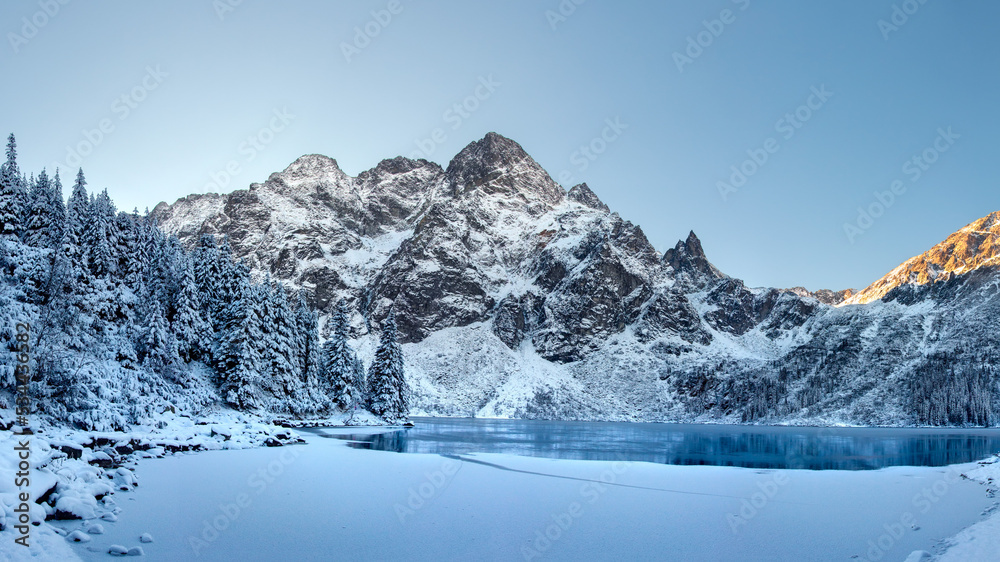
x=207 y=276
x=45 y=214
x=71 y=261
x=77 y=209
x=388 y=395
x=170 y=268
x=227 y=261
x=159 y=347
x=59 y=204
x=11 y=189
x=106 y=297
x=230 y=276
x=360 y=381
x=192 y=332
x=284 y=382
x=234 y=278
x=102 y=237
x=310 y=355
x=76 y=274
x=237 y=357
x=132 y=262
x=339 y=362
x=12 y=311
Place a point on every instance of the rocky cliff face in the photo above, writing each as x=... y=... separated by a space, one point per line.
x=516 y=297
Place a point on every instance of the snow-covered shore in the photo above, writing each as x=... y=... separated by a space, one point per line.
x=77 y=479
x=326 y=500
x=982 y=540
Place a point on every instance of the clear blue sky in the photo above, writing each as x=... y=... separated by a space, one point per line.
x=555 y=83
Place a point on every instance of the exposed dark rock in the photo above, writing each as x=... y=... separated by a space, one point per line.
x=583 y=195
x=690 y=266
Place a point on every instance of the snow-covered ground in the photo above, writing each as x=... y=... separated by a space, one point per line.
x=82 y=476
x=328 y=501
x=982 y=540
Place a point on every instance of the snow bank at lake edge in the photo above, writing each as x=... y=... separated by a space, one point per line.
x=75 y=474
x=982 y=540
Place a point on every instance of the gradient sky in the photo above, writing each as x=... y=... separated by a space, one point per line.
x=219 y=79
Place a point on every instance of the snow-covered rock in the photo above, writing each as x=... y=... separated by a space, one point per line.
x=78 y=536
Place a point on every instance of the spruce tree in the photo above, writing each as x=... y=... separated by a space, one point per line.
x=43 y=224
x=102 y=236
x=207 y=275
x=159 y=346
x=11 y=190
x=279 y=340
x=192 y=332
x=132 y=262
x=388 y=394
x=339 y=362
x=310 y=356
x=57 y=209
x=237 y=358
x=77 y=216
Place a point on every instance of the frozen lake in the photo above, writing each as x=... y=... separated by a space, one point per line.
x=687 y=444
x=332 y=499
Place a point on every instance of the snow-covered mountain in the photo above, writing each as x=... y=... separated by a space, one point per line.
x=516 y=297
x=974 y=246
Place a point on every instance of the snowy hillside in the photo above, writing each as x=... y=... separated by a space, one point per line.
x=516 y=297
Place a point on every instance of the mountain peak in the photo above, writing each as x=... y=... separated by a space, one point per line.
x=694 y=244
x=311 y=164
x=400 y=165
x=582 y=194
x=690 y=264
x=497 y=142
x=492 y=151
x=975 y=245
x=306 y=173
x=497 y=164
